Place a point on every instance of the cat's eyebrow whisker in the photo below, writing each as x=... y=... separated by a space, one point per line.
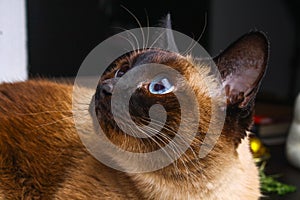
x=138 y=22
x=160 y=35
x=131 y=44
x=148 y=29
x=132 y=35
x=192 y=43
x=202 y=33
x=136 y=40
x=191 y=46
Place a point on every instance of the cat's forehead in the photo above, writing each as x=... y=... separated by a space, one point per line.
x=146 y=56
x=184 y=65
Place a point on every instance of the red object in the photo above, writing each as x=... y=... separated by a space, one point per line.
x=262 y=119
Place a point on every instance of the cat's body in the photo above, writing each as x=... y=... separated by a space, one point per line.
x=46 y=158
x=41 y=155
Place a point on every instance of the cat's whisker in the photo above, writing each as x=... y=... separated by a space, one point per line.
x=131 y=44
x=44 y=112
x=135 y=135
x=154 y=131
x=202 y=33
x=54 y=122
x=175 y=148
x=138 y=22
x=132 y=132
x=189 y=160
x=136 y=40
x=83 y=103
x=57 y=104
x=170 y=130
x=188 y=48
x=166 y=153
x=133 y=36
x=148 y=29
x=159 y=37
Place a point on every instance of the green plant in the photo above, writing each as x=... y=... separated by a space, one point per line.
x=269 y=184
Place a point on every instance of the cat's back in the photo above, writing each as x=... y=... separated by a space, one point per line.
x=35 y=111
x=21 y=96
x=41 y=156
x=33 y=138
x=32 y=108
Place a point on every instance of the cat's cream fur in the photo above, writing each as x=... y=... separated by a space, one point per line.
x=233 y=184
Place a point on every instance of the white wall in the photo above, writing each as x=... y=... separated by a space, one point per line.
x=230 y=19
x=13 y=49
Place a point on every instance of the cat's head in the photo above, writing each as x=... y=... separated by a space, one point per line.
x=242 y=66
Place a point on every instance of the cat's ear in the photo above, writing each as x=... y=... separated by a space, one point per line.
x=242 y=66
x=167 y=37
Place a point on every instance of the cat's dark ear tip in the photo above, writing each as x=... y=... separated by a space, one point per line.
x=260 y=38
x=259 y=34
x=258 y=42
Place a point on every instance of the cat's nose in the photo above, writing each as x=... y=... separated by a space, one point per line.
x=107 y=89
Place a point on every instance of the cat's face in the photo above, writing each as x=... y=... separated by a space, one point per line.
x=241 y=66
x=159 y=90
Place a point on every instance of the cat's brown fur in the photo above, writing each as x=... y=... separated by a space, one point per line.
x=42 y=157
x=41 y=153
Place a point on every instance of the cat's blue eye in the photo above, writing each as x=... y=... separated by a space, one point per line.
x=160 y=85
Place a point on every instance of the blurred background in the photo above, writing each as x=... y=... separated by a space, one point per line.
x=62 y=32
x=58 y=34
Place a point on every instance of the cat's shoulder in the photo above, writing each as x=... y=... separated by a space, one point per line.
x=33 y=94
x=29 y=86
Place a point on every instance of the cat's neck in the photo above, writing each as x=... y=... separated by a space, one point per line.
x=181 y=187
x=208 y=184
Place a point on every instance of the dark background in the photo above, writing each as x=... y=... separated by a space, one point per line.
x=62 y=32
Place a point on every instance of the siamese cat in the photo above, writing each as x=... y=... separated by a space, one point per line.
x=42 y=156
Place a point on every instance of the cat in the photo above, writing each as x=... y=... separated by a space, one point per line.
x=42 y=156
